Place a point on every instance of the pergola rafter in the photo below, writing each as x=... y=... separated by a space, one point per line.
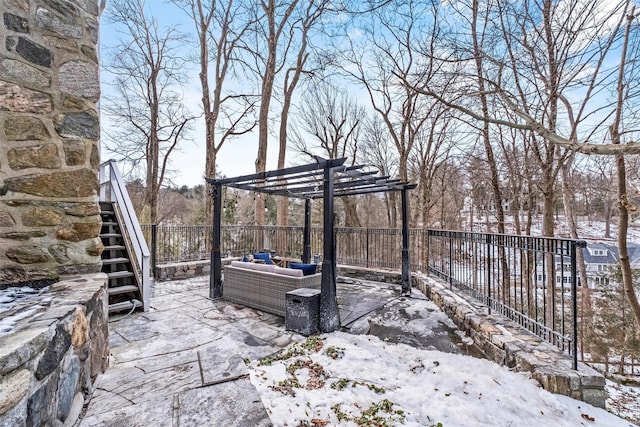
x=326 y=179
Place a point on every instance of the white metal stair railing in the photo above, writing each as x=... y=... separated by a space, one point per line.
x=113 y=189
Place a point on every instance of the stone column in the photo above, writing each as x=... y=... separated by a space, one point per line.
x=49 y=130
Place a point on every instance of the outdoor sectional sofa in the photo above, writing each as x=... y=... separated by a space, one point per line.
x=263 y=286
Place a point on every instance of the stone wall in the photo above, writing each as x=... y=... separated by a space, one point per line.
x=48 y=364
x=49 y=153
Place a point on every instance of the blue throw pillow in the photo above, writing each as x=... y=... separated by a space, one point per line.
x=307 y=269
x=245 y=259
x=263 y=256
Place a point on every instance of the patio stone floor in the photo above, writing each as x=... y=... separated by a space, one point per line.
x=182 y=362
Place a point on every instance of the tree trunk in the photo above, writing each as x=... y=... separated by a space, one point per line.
x=569 y=210
x=623 y=200
x=495 y=182
x=350 y=213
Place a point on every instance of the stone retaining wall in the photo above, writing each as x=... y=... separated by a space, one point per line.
x=503 y=341
x=49 y=130
x=48 y=364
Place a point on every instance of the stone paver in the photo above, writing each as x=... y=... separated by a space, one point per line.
x=182 y=363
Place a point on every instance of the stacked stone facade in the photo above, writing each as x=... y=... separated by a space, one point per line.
x=49 y=130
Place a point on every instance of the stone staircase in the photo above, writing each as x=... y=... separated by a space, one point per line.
x=124 y=284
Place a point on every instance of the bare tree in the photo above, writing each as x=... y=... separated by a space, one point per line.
x=431 y=153
x=303 y=25
x=623 y=89
x=376 y=150
x=478 y=23
x=148 y=118
x=382 y=54
x=329 y=123
x=220 y=28
x=267 y=53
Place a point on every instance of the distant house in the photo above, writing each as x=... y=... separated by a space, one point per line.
x=600 y=259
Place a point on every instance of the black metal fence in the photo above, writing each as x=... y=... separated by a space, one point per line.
x=531 y=280
x=365 y=247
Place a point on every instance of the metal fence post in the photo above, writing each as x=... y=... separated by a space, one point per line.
x=488 y=269
x=574 y=308
x=574 y=290
x=367 y=251
x=154 y=248
x=450 y=261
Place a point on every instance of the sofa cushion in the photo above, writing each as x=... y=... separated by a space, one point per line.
x=253 y=266
x=289 y=271
x=261 y=267
x=263 y=256
x=307 y=269
x=239 y=264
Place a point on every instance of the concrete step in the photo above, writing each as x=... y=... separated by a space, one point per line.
x=114 y=248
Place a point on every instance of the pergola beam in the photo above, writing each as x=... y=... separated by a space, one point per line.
x=326 y=179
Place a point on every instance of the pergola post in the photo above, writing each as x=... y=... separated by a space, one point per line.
x=329 y=315
x=215 y=278
x=406 y=265
x=306 y=238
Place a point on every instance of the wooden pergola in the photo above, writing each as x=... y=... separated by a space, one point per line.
x=324 y=179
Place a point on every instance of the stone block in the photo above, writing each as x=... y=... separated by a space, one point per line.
x=29 y=254
x=22 y=100
x=80 y=209
x=24 y=128
x=6 y=220
x=595 y=397
x=79 y=78
x=74 y=153
x=54 y=353
x=79 y=329
x=42 y=403
x=67 y=386
x=500 y=340
x=41 y=217
x=15 y=23
x=61 y=43
x=64 y=8
x=92 y=29
x=78 y=183
x=494 y=353
x=24 y=74
x=16 y=349
x=79 y=231
x=302 y=311
x=589 y=377
x=43 y=156
x=82 y=125
x=13 y=388
x=48 y=21
x=30 y=51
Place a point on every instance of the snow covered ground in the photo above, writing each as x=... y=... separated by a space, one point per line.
x=588 y=230
x=353 y=380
